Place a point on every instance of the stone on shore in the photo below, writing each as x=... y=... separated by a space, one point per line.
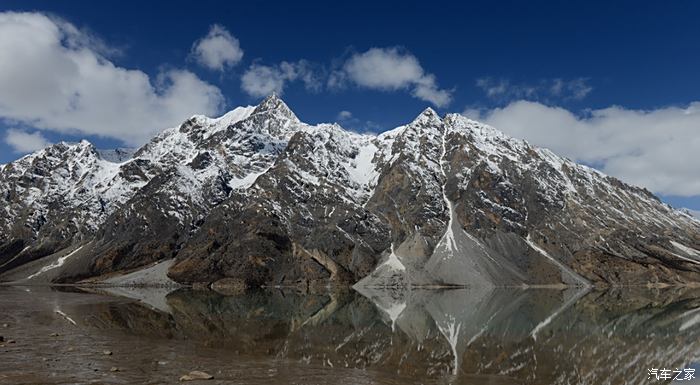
x=196 y=375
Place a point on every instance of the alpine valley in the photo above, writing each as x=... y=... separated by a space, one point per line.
x=259 y=198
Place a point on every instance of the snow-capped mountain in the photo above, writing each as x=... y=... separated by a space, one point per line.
x=59 y=196
x=259 y=197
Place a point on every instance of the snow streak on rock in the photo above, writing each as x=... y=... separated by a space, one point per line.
x=580 y=280
x=59 y=262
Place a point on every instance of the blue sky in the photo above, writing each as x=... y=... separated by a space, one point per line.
x=610 y=85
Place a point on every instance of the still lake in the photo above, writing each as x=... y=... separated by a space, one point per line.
x=66 y=335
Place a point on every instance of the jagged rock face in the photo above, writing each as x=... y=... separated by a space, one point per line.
x=262 y=198
x=505 y=192
x=59 y=196
x=302 y=220
x=201 y=163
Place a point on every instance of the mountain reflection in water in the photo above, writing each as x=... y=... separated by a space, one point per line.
x=538 y=336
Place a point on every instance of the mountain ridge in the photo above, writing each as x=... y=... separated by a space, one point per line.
x=259 y=197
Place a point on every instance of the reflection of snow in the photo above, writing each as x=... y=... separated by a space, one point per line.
x=64 y=315
x=393 y=311
x=554 y=315
x=691 y=322
x=451 y=333
x=54 y=265
x=483 y=328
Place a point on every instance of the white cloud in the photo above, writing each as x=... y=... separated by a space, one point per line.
x=262 y=80
x=383 y=69
x=54 y=78
x=504 y=89
x=349 y=121
x=344 y=115
x=23 y=142
x=390 y=69
x=658 y=149
x=426 y=89
x=218 y=50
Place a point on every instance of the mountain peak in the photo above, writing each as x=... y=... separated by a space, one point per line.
x=274 y=104
x=428 y=116
x=64 y=146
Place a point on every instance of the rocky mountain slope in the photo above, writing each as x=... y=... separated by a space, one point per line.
x=257 y=197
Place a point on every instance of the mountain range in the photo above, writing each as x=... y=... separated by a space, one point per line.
x=258 y=197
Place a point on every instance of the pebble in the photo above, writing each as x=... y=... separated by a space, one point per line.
x=107 y=353
x=114 y=369
x=53 y=335
x=5 y=325
x=11 y=341
x=196 y=375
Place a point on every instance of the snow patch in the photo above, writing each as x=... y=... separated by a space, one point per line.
x=685 y=249
x=361 y=169
x=246 y=181
x=59 y=262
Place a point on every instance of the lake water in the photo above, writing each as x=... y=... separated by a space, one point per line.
x=543 y=336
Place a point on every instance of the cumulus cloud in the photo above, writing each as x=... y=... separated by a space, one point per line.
x=218 y=50
x=23 y=142
x=54 y=77
x=543 y=90
x=262 y=80
x=344 y=115
x=658 y=149
x=390 y=69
